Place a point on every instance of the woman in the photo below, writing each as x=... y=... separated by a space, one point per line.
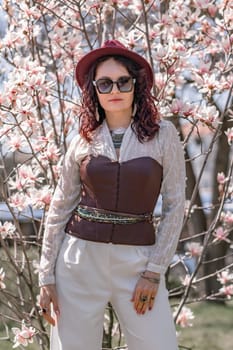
x=100 y=244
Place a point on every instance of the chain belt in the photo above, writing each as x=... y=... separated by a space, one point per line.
x=111 y=217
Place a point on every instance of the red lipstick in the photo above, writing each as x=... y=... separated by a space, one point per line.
x=115 y=100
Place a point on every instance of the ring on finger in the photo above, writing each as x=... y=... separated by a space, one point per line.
x=43 y=310
x=143 y=298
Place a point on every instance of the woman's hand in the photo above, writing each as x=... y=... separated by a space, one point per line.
x=145 y=292
x=48 y=295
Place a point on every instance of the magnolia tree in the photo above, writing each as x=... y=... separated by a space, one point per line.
x=189 y=44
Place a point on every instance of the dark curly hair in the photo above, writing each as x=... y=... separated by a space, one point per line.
x=145 y=122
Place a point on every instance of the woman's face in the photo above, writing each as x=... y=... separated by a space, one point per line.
x=114 y=102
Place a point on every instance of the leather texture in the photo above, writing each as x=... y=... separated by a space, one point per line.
x=130 y=187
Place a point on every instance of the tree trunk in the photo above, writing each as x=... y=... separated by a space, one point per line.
x=216 y=253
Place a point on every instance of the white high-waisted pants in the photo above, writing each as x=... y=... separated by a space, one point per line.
x=88 y=275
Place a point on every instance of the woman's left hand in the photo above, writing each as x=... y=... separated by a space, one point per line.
x=145 y=292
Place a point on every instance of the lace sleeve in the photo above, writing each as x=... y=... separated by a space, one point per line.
x=64 y=201
x=173 y=199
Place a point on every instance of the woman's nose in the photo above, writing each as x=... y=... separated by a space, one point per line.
x=115 y=88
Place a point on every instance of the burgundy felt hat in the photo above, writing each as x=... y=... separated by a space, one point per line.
x=111 y=48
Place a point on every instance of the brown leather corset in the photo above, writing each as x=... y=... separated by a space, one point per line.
x=129 y=187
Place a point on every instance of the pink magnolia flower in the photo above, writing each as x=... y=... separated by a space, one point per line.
x=194 y=17
x=189 y=110
x=225 y=277
x=44 y=99
x=12 y=39
x=126 y=3
x=194 y=249
x=24 y=107
x=155 y=32
x=57 y=36
x=51 y=153
x=181 y=108
x=185 y=317
x=208 y=30
x=15 y=143
x=25 y=178
x=136 y=6
x=227 y=291
x=23 y=336
x=7 y=229
x=41 y=198
x=226 y=44
x=203 y=67
x=17 y=183
x=212 y=9
x=160 y=81
x=165 y=20
x=31 y=176
x=208 y=115
x=11 y=96
x=221 y=235
x=227 y=218
x=18 y=201
x=31 y=11
x=221 y=178
x=161 y=54
x=45 y=198
x=229 y=134
x=30 y=67
x=177 y=107
x=209 y=83
x=178 y=32
x=2 y=276
x=178 y=11
x=228 y=13
x=35 y=80
x=203 y=4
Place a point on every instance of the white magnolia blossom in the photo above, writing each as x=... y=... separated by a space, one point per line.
x=194 y=249
x=23 y=336
x=189 y=44
x=185 y=317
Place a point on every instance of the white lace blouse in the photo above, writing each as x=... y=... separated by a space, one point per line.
x=165 y=148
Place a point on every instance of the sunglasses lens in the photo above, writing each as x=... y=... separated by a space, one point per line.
x=125 y=84
x=104 y=86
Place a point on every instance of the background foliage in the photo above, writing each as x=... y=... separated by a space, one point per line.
x=189 y=45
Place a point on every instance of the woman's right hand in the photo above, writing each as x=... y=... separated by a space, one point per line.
x=48 y=295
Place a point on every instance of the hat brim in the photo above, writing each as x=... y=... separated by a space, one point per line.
x=86 y=62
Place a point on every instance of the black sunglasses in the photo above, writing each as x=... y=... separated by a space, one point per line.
x=105 y=85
